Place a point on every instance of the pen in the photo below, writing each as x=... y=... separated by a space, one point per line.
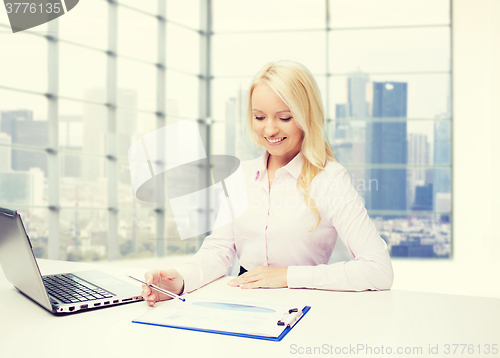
x=159 y=289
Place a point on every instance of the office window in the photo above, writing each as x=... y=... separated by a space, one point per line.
x=137 y=35
x=24 y=65
x=82 y=73
x=125 y=69
x=108 y=90
x=88 y=27
x=183 y=49
x=182 y=99
x=254 y=50
x=384 y=70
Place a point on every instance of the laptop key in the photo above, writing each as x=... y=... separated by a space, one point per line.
x=70 y=289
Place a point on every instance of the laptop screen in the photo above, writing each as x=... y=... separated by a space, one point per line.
x=17 y=258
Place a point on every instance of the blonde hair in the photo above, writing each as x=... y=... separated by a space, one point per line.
x=298 y=89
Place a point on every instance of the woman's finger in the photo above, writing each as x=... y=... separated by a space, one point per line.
x=250 y=285
x=244 y=280
x=145 y=292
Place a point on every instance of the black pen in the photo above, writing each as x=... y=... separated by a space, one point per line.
x=159 y=289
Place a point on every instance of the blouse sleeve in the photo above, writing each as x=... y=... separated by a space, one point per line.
x=215 y=256
x=371 y=267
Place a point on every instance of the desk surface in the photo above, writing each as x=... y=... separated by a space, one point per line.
x=366 y=323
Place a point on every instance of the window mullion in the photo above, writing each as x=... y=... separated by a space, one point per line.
x=53 y=139
x=160 y=114
x=112 y=146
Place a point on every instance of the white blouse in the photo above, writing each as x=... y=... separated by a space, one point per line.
x=274 y=232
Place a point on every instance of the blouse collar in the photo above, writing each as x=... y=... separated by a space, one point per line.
x=294 y=167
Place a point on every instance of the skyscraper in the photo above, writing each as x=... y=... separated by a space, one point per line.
x=358 y=105
x=5 y=153
x=348 y=141
x=126 y=119
x=22 y=129
x=418 y=154
x=95 y=128
x=95 y=124
x=442 y=155
x=22 y=187
x=70 y=138
x=342 y=127
x=386 y=143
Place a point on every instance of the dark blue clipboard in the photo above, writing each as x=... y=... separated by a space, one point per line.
x=273 y=339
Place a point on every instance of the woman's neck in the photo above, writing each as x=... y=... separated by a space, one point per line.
x=274 y=162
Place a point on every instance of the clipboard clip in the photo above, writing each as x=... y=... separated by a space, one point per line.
x=290 y=317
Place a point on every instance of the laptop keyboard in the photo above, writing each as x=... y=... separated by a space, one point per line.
x=69 y=288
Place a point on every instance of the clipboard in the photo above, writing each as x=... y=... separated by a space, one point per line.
x=227 y=317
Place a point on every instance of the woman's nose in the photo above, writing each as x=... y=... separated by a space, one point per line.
x=271 y=129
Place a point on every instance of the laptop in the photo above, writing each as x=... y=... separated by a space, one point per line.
x=60 y=294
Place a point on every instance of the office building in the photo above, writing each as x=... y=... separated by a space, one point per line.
x=5 y=152
x=21 y=188
x=348 y=141
x=423 y=198
x=95 y=128
x=23 y=130
x=442 y=156
x=386 y=143
x=126 y=119
x=412 y=249
x=341 y=111
x=443 y=204
x=418 y=155
x=342 y=127
x=71 y=139
x=358 y=105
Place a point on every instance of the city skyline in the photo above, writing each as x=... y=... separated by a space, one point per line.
x=351 y=141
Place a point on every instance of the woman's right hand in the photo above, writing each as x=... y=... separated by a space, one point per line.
x=171 y=280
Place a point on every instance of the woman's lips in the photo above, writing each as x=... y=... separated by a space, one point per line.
x=275 y=144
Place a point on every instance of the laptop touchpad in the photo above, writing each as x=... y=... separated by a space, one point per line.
x=100 y=279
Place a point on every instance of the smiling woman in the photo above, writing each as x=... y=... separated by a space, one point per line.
x=275 y=127
x=273 y=87
x=280 y=242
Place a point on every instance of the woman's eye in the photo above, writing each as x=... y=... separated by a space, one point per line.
x=286 y=119
x=259 y=118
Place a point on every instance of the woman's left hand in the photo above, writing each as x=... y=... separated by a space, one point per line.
x=261 y=277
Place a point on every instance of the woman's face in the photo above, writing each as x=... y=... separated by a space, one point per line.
x=274 y=125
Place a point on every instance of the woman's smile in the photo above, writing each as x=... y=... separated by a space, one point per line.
x=275 y=141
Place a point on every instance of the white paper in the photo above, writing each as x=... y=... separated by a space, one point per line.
x=215 y=313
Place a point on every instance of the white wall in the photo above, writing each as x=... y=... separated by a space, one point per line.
x=474 y=269
x=476 y=130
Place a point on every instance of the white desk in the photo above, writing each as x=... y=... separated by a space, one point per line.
x=390 y=319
